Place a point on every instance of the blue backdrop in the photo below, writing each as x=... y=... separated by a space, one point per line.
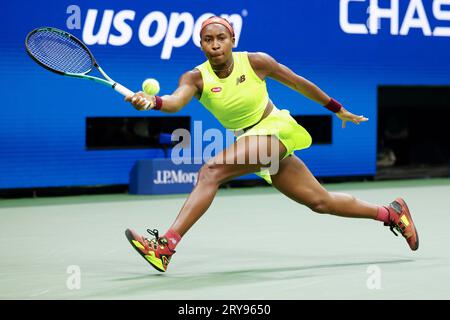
x=347 y=47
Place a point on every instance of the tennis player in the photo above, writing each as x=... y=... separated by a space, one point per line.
x=231 y=85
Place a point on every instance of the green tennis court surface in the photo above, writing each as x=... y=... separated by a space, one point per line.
x=251 y=244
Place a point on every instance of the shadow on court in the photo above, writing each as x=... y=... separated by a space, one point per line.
x=237 y=276
x=142 y=285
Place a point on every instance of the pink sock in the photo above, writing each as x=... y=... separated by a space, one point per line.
x=173 y=238
x=383 y=215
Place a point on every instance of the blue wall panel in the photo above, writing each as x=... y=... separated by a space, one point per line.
x=42 y=115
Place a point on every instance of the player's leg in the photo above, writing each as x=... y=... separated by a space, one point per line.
x=296 y=181
x=248 y=154
x=234 y=161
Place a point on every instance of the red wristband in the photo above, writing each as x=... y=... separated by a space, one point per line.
x=158 y=103
x=333 y=106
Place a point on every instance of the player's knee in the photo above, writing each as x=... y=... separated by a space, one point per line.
x=210 y=173
x=320 y=204
x=205 y=175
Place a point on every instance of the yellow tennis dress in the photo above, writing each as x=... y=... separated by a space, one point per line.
x=238 y=102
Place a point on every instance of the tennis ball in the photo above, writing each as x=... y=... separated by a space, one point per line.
x=150 y=86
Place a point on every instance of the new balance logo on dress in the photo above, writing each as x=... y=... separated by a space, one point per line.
x=240 y=79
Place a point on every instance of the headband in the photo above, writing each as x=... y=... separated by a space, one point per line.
x=218 y=20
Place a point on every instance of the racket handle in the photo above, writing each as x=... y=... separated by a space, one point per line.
x=122 y=90
x=127 y=92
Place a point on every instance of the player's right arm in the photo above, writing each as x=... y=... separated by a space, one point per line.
x=188 y=87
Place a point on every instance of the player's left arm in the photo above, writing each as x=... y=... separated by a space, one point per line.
x=266 y=66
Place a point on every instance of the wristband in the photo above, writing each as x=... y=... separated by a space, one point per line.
x=158 y=103
x=333 y=106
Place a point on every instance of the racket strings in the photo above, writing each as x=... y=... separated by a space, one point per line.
x=60 y=52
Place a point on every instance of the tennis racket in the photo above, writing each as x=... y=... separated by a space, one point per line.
x=62 y=53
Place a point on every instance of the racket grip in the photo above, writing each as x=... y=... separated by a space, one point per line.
x=122 y=90
x=127 y=92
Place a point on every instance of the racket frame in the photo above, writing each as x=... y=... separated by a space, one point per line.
x=108 y=82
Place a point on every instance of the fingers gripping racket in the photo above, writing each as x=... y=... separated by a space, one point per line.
x=62 y=53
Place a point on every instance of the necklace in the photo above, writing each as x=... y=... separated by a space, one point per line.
x=226 y=69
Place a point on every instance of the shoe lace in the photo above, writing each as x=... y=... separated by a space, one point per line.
x=154 y=233
x=395 y=226
x=157 y=240
x=399 y=227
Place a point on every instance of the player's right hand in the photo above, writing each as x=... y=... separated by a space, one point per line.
x=140 y=101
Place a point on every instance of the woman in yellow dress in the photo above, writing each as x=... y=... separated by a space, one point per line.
x=232 y=86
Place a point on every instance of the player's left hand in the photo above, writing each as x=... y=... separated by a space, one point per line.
x=345 y=116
